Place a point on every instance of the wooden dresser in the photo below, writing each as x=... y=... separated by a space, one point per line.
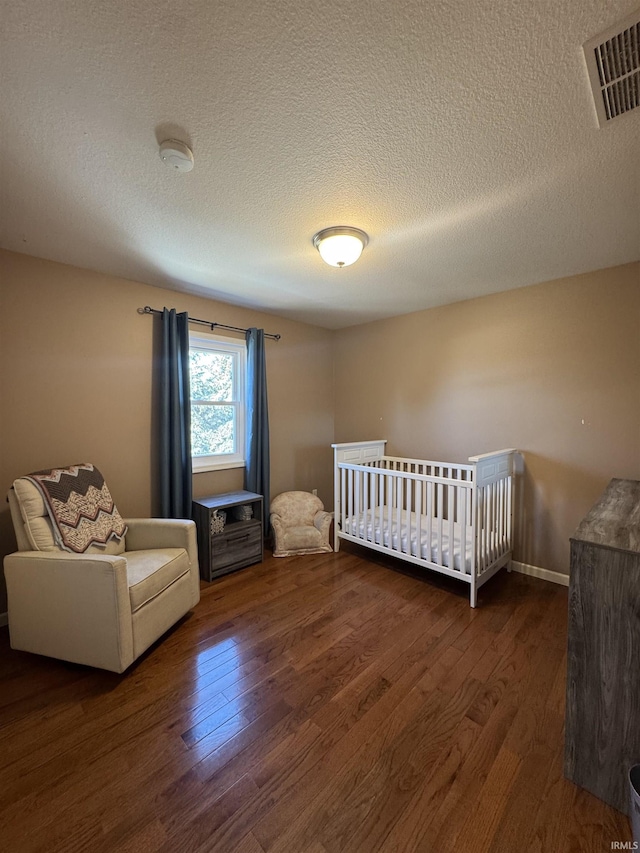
x=239 y=543
x=602 y=733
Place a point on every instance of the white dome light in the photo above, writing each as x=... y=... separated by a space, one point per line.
x=340 y=246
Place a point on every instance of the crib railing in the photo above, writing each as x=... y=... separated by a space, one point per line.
x=449 y=470
x=493 y=504
x=493 y=522
x=387 y=497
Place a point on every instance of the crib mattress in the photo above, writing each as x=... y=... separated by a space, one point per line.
x=396 y=537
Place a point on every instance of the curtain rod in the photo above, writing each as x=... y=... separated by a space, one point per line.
x=149 y=310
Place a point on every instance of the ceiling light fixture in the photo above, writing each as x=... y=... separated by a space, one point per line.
x=340 y=246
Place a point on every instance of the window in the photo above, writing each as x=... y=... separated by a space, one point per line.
x=217 y=369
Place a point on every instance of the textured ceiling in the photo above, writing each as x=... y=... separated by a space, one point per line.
x=460 y=135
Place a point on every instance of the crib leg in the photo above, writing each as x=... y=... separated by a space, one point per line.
x=473 y=598
x=336 y=538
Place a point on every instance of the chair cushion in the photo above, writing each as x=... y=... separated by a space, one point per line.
x=300 y=540
x=150 y=572
x=37 y=524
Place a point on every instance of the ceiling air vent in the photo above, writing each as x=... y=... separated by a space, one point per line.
x=613 y=62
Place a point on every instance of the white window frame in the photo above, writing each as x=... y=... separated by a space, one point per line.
x=217 y=343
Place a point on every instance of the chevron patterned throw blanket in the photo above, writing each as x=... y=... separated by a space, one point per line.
x=80 y=506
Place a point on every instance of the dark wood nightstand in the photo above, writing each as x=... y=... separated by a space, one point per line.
x=241 y=541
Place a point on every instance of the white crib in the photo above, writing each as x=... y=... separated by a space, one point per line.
x=453 y=519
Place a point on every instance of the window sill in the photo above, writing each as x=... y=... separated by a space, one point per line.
x=201 y=468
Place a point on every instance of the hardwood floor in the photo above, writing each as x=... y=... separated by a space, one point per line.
x=324 y=704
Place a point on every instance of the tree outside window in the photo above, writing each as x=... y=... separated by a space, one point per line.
x=217 y=372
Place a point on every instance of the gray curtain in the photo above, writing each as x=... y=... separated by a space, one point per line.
x=175 y=416
x=257 y=471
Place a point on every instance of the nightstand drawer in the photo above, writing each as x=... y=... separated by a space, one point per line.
x=239 y=544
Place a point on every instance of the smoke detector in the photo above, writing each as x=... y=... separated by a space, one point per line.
x=176 y=155
x=613 y=63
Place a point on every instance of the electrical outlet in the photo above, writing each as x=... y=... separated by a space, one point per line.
x=314 y=492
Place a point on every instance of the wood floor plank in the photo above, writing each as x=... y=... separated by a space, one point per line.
x=197 y=833
x=308 y=705
x=381 y=796
x=442 y=831
x=478 y=830
x=410 y=826
x=342 y=740
x=297 y=820
x=248 y=844
x=514 y=829
x=142 y=832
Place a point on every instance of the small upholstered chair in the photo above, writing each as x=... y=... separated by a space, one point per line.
x=300 y=525
x=106 y=606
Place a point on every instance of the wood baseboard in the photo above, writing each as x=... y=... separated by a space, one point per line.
x=537 y=572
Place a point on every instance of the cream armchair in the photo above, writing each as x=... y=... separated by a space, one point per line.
x=300 y=525
x=102 y=608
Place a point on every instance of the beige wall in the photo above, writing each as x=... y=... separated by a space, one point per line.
x=552 y=369
x=522 y=369
x=75 y=384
